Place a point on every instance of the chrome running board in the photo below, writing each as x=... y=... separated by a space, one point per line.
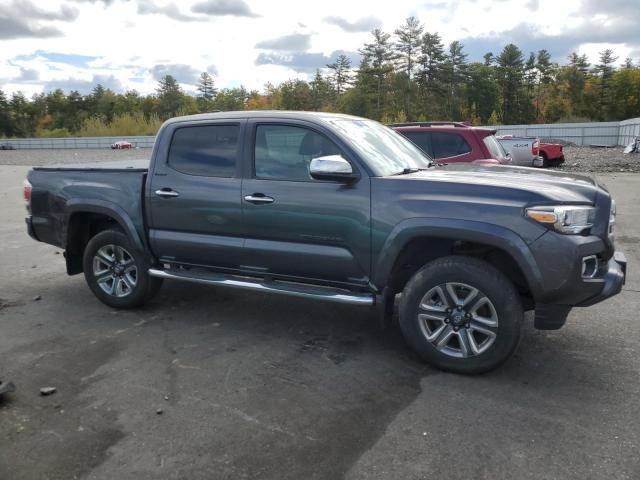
x=275 y=286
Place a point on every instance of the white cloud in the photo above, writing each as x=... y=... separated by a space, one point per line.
x=110 y=39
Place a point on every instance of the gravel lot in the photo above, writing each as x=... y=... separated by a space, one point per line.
x=599 y=160
x=578 y=159
x=249 y=385
x=43 y=157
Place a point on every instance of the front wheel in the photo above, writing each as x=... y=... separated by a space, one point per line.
x=461 y=314
x=116 y=271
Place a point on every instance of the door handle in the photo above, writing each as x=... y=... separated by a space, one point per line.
x=167 y=193
x=258 y=198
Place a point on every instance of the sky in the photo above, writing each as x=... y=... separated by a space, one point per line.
x=130 y=44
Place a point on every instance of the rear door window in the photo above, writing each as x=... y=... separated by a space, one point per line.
x=205 y=150
x=448 y=145
x=422 y=141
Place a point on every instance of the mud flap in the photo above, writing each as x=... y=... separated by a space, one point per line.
x=551 y=317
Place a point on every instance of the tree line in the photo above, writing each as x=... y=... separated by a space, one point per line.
x=407 y=75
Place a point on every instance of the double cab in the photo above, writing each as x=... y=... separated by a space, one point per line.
x=337 y=208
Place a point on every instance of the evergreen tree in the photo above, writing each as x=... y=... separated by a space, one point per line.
x=341 y=76
x=407 y=47
x=482 y=92
x=574 y=76
x=604 y=71
x=510 y=76
x=455 y=69
x=6 y=122
x=360 y=100
x=379 y=57
x=429 y=76
x=207 y=92
x=321 y=92
x=530 y=81
x=544 y=73
x=169 y=97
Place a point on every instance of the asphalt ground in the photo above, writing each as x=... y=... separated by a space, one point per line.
x=212 y=383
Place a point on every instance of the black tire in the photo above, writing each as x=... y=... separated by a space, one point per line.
x=132 y=293
x=504 y=306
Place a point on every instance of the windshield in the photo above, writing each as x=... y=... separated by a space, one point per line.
x=385 y=151
x=495 y=147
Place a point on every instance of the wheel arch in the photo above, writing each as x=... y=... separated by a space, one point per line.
x=415 y=242
x=85 y=220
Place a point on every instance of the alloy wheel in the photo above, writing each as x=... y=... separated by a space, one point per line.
x=115 y=271
x=458 y=319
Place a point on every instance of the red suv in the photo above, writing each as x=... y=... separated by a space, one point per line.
x=449 y=142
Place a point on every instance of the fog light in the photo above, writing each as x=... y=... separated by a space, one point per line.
x=589 y=266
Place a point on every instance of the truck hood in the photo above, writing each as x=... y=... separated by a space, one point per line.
x=534 y=184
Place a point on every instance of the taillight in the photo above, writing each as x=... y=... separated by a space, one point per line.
x=26 y=191
x=535 y=148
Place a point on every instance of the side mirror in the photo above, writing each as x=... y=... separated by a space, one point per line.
x=331 y=167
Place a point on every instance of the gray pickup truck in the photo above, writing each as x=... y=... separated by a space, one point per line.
x=337 y=208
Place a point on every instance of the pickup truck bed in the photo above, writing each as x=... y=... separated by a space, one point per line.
x=64 y=189
x=116 y=166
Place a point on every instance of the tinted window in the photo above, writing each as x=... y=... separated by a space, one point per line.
x=209 y=150
x=284 y=152
x=448 y=144
x=421 y=139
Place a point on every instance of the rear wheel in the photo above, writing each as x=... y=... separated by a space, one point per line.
x=116 y=271
x=545 y=160
x=461 y=314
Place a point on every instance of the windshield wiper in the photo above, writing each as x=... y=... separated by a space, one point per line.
x=407 y=170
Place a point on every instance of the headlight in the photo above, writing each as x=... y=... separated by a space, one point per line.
x=568 y=219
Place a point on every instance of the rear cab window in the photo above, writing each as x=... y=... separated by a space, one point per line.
x=205 y=150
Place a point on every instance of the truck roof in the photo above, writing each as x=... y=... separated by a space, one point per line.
x=245 y=114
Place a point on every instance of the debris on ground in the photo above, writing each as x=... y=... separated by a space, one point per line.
x=6 y=387
x=598 y=160
x=633 y=147
x=44 y=391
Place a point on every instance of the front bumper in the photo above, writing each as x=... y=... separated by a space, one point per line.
x=552 y=316
x=613 y=280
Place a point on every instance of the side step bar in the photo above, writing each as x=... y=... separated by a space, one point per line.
x=283 y=288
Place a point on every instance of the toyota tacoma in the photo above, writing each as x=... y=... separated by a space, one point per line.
x=343 y=209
